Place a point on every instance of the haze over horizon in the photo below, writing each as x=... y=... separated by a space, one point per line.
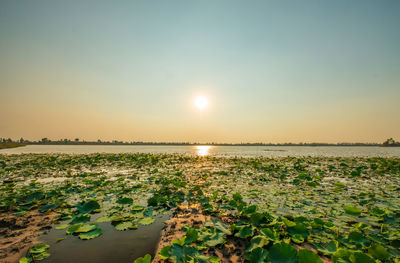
x=272 y=71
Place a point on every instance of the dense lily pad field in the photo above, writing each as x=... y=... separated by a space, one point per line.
x=285 y=209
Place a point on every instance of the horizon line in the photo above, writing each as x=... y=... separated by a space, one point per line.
x=78 y=141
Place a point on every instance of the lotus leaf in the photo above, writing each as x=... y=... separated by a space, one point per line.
x=307 y=256
x=256 y=242
x=146 y=221
x=125 y=201
x=257 y=255
x=92 y=234
x=351 y=210
x=145 y=259
x=378 y=252
x=88 y=207
x=283 y=253
x=85 y=228
x=25 y=260
x=40 y=248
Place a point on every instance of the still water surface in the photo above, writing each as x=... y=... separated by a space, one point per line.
x=111 y=246
x=227 y=151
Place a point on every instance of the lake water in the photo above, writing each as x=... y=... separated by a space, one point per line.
x=225 y=151
x=111 y=246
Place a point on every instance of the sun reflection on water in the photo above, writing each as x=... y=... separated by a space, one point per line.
x=202 y=150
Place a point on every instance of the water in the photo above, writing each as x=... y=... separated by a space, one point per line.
x=111 y=246
x=227 y=151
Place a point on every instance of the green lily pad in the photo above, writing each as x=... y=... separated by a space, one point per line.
x=133 y=226
x=34 y=197
x=362 y=226
x=329 y=248
x=72 y=229
x=145 y=259
x=245 y=231
x=165 y=252
x=357 y=237
x=297 y=238
x=288 y=223
x=351 y=210
x=307 y=256
x=25 y=260
x=62 y=226
x=137 y=208
x=41 y=256
x=85 y=228
x=92 y=234
x=104 y=219
x=359 y=257
x=40 y=248
x=182 y=253
x=249 y=210
x=257 y=255
x=376 y=211
x=299 y=229
x=191 y=236
x=214 y=259
x=379 y=252
x=123 y=226
x=146 y=221
x=342 y=255
x=258 y=219
x=283 y=253
x=125 y=201
x=49 y=207
x=212 y=237
x=39 y=251
x=257 y=241
x=219 y=226
x=270 y=234
x=80 y=219
x=88 y=207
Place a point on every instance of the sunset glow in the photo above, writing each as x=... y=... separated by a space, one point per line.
x=203 y=150
x=201 y=102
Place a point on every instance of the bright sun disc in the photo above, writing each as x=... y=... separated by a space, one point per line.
x=201 y=102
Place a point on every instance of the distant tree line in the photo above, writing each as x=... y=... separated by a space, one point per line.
x=390 y=143
x=77 y=141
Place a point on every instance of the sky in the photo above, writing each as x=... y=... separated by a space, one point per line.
x=273 y=71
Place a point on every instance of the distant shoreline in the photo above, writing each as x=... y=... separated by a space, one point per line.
x=215 y=144
x=10 y=145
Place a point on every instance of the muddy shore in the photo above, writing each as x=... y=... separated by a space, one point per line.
x=19 y=233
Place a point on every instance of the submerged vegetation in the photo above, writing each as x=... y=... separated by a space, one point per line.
x=257 y=209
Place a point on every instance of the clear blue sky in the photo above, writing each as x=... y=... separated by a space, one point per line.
x=274 y=71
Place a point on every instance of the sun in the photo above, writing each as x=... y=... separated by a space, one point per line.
x=201 y=102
